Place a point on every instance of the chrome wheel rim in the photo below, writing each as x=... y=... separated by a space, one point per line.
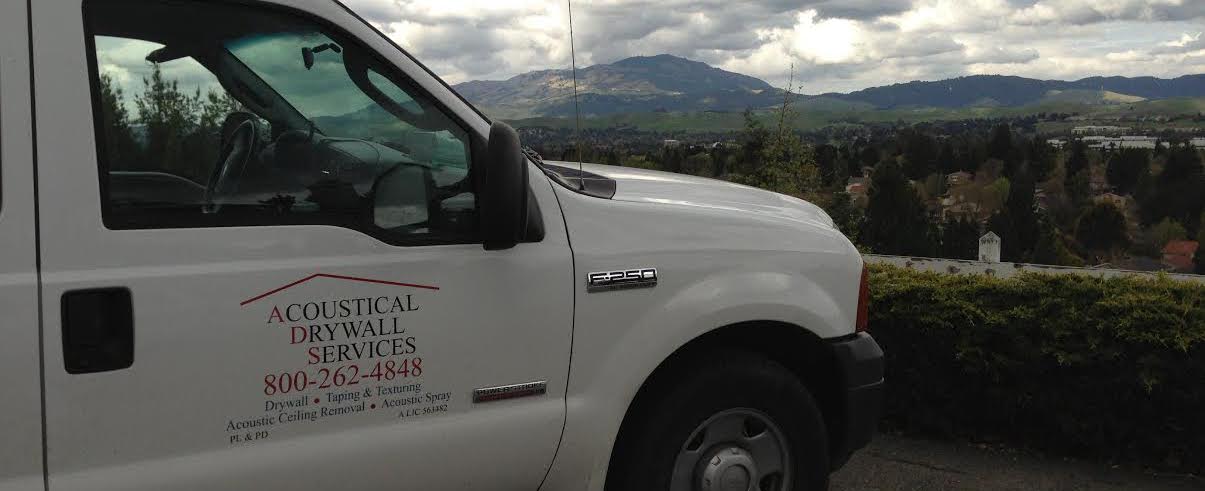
x=734 y=450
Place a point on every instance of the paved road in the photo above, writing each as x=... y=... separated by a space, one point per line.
x=894 y=463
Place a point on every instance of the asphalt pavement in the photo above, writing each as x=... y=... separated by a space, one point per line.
x=894 y=463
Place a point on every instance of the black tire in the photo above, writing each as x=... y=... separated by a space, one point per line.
x=693 y=391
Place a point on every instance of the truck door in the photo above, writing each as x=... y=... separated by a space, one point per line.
x=20 y=406
x=261 y=266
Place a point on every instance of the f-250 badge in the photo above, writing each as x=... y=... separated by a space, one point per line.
x=621 y=280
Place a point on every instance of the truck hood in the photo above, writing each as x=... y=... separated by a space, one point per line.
x=640 y=185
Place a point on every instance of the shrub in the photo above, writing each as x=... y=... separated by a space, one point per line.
x=1109 y=369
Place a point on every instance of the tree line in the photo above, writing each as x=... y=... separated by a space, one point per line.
x=1049 y=205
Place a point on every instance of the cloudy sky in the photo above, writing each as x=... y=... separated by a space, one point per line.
x=835 y=45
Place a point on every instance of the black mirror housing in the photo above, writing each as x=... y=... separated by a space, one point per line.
x=502 y=189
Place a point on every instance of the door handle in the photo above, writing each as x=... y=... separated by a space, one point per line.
x=98 y=330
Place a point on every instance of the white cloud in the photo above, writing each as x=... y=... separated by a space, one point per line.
x=833 y=44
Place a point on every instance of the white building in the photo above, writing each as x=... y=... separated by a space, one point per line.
x=1198 y=143
x=1098 y=130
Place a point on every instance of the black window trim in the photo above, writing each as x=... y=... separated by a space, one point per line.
x=475 y=146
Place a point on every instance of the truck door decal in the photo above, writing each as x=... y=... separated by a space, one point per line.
x=350 y=350
x=337 y=277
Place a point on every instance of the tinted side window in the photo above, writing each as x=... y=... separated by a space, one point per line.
x=219 y=115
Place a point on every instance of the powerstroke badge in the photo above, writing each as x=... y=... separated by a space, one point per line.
x=621 y=280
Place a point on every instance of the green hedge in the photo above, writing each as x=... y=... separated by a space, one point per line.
x=1108 y=369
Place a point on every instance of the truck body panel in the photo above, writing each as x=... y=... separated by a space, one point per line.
x=716 y=267
x=244 y=338
x=21 y=405
x=217 y=311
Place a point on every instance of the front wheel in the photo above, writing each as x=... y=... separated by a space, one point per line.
x=730 y=421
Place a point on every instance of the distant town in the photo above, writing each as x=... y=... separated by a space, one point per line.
x=1053 y=188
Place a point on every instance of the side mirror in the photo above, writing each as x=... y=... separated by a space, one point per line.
x=502 y=189
x=400 y=198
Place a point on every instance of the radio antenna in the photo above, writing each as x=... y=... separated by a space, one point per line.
x=577 y=110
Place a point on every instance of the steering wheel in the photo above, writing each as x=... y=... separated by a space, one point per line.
x=224 y=181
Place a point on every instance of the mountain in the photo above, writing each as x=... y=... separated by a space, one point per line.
x=638 y=84
x=665 y=83
x=980 y=90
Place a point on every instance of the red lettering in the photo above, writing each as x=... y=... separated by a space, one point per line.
x=299 y=332
x=314 y=359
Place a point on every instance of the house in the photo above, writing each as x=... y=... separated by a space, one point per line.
x=856 y=190
x=1056 y=143
x=959 y=178
x=1179 y=254
x=1198 y=143
x=671 y=143
x=965 y=210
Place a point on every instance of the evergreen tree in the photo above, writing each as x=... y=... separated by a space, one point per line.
x=1126 y=168
x=920 y=153
x=168 y=114
x=845 y=215
x=753 y=142
x=121 y=149
x=896 y=221
x=1041 y=160
x=1050 y=247
x=826 y=161
x=1077 y=159
x=1017 y=222
x=1179 y=189
x=1001 y=144
x=1079 y=189
x=1102 y=227
x=947 y=160
x=960 y=239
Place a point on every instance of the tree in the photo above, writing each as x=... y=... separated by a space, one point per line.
x=168 y=116
x=920 y=153
x=1050 y=247
x=947 y=160
x=960 y=239
x=1163 y=232
x=1199 y=258
x=896 y=221
x=1078 y=189
x=846 y=216
x=753 y=141
x=1001 y=144
x=698 y=164
x=1017 y=222
x=120 y=147
x=1178 y=189
x=1126 y=168
x=1102 y=227
x=787 y=166
x=826 y=161
x=1077 y=160
x=1041 y=160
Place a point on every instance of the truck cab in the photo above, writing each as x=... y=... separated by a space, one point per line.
x=256 y=245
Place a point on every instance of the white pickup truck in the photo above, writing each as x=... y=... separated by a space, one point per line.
x=255 y=245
